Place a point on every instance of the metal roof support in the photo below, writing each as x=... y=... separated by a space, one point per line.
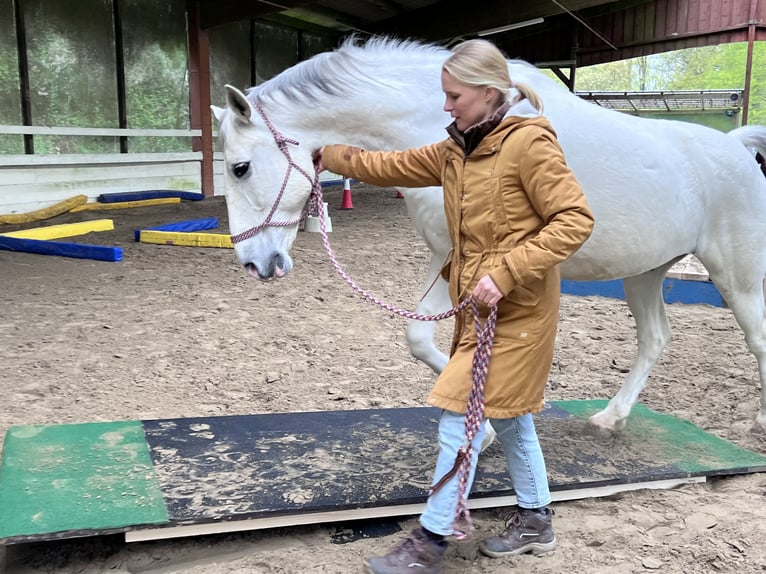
x=751 y=24
x=119 y=57
x=26 y=98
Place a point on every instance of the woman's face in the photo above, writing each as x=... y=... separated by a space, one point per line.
x=468 y=105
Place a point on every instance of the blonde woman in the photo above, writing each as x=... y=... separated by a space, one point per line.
x=514 y=211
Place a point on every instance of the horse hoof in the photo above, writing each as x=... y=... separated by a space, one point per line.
x=605 y=422
x=591 y=431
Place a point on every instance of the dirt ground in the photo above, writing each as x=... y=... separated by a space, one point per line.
x=181 y=332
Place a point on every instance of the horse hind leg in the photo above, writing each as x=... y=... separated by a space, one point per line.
x=643 y=293
x=740 y=282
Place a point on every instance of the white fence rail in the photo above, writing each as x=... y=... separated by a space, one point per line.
x=33 y=181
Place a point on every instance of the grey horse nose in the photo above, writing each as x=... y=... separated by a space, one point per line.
x=274 y=267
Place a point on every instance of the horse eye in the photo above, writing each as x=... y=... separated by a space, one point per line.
x=241 y=168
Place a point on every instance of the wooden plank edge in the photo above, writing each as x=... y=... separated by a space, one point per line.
x=95 y=206
x=123 y=196
x=45 y=212
x=146 y=534
x=688 y=275
x=185 y=239
x=63 y=230
x=61 y=249
x=96 y=132
x=54 y=160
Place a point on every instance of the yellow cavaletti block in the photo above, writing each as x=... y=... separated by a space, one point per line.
x=126 y=204
x=45 y=212
x=186 y=239
x=63 y=230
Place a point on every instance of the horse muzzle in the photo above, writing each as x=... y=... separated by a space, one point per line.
x=275 y=267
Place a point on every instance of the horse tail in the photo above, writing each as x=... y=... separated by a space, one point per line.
x=754 y=138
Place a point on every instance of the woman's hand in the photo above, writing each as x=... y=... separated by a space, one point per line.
x=487 y=292
x=317 y=157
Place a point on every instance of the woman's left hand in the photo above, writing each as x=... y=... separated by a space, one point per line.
x=487 y=292
x=316 y=156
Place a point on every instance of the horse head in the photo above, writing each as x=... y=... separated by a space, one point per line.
x=268 y=179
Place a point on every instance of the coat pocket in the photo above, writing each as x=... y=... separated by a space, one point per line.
x=523 y=296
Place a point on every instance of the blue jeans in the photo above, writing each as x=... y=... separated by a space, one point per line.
x=525 y=465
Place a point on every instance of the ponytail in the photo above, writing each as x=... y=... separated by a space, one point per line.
x=527 y=93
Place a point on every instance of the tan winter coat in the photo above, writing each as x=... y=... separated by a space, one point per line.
x=515 y=211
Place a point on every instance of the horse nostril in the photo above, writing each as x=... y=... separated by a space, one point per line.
x=241 y=168
x=278 y=261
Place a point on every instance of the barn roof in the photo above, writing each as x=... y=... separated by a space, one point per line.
x=547 y=32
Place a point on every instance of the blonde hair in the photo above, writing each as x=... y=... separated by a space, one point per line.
x=480 y=63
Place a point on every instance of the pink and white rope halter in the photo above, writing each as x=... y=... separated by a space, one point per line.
x=474 y=415
x=281 y=140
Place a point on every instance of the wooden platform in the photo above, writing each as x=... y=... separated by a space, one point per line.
x=168 y=478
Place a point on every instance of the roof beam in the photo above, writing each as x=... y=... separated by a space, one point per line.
x=322 y=16
x=449 y=18
x=225 y=11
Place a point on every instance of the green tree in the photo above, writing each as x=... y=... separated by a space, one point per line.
x=719 y=67
x=723 y=67
x=611 y=77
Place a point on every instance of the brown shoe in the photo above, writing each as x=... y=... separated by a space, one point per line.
x=525 y=531
x=418 y=554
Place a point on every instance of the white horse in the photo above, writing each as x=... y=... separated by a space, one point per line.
x=659 y=189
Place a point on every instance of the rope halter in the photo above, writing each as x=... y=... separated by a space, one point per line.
x=281 y=140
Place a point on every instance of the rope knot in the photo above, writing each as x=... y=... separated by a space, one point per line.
x=282 y=140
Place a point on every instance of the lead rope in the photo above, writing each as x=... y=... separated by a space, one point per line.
x=474 y=414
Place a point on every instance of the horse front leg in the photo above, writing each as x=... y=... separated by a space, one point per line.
x=643 y=294
x=421 y=334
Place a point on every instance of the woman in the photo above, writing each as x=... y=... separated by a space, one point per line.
x=514 y=211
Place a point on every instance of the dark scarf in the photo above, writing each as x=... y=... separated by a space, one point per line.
x=470 y=139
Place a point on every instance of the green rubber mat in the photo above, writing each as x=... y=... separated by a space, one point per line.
x=77 y=479
x=181 y=477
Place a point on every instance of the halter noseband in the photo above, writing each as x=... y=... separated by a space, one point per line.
x=281 y=140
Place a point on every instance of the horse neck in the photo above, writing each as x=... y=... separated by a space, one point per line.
x=397 y=104
x=374 y=123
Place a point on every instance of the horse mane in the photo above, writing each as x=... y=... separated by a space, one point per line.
x=353 y=66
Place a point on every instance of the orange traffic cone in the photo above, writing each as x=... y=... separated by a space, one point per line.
x=347 y=203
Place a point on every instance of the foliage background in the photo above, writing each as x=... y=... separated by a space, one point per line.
x=73 y=70
x=710 y=68
x=72 y=65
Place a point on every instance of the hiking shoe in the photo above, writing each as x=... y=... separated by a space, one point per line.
x=417 y=554
x=525 y=531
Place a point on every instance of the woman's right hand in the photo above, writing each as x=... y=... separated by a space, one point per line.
x=487 y=292
x=317 y=157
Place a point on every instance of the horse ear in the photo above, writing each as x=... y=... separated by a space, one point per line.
x=218 y=113
x=238 y=103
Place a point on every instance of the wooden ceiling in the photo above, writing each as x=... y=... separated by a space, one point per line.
x=556 y=33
